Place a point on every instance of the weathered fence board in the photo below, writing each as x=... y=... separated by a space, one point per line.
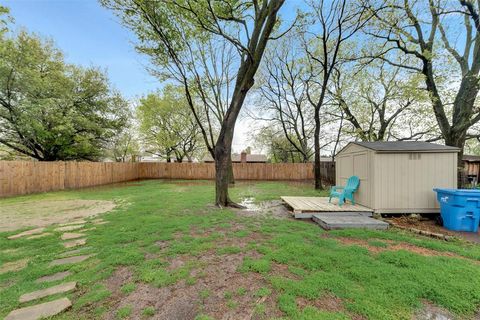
x=24 y=177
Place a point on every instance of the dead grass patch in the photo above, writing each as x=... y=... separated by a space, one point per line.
x=47 y=212
x=393 y=246
x=214 y=291
x=13 y=266
x=326 y=302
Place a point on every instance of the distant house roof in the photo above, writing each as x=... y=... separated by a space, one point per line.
x=405 y=146
x=237 y=158
x=471 y=158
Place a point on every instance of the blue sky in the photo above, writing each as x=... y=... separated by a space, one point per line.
x=91 y=35
x=88 y=34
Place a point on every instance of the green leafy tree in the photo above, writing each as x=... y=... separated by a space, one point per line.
x=51 y=110
x=167 y=126
x=279 y=149
x=125 y=145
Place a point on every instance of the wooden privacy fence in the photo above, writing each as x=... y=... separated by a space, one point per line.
x=24 y=177
x=241 y=171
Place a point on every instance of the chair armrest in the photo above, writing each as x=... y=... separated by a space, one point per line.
x=334 y=188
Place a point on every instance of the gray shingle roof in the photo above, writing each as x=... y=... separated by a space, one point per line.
x=405 y=146
x=237 y=158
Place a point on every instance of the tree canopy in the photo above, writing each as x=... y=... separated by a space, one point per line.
x=167 y=126
x=51 y=110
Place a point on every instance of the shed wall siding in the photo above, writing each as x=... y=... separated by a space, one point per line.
x=355 y=160
x=404 y=183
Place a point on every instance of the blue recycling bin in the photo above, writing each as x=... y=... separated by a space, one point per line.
x=459 y=208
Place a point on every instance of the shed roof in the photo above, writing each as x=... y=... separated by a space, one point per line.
x=406 y=146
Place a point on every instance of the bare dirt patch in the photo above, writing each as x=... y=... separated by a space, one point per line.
x=392 y=246
x=431 y=226
x=326 y=302
x=214 y=292
x=269 y=209
x=432 y=312
x=44 y=213
x=420 y=223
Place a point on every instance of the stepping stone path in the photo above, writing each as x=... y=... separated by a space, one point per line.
x=70 y=228
x=88 y=229
x=13 y=266
x=71 y=235
x=73 y=222
x=39 y=311
x=69 y=260
x=61 y=288
x=75 y=243
x=53 y=277
x=74 y=252
x=39 y=235
x=27 y=233
x=54 y=307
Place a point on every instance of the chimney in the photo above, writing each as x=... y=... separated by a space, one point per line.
x=243 y=157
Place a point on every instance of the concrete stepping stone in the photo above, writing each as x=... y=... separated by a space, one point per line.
x=73 y=223
x=69 y=260
x=74 y=252
x=70 y=228
x=26 y=233
x=61 y=288
x=75 y=243
x=39 y=311
x=71 y=235
x=88 y=229
x=54 y=277
x=13 y=266
x=339 y=221
x=41 y=235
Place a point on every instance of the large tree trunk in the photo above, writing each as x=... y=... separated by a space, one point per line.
x=317 y=171
x=223 y=148
x=231 y=177
x=223 y=165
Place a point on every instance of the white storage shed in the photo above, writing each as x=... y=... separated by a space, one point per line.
x=398 y=176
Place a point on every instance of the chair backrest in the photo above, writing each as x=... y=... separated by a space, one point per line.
x=352 y=184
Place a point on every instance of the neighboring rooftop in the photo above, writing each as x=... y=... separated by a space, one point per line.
x=471 y=158
x=405 y=146
x=238 y=158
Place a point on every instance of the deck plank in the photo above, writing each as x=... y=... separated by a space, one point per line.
x=304 y=207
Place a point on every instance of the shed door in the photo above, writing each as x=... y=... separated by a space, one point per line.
x=355 y=164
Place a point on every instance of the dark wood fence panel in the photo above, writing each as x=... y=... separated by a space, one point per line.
x=24 y=177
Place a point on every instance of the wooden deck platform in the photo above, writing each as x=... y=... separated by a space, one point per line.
x=306 y=207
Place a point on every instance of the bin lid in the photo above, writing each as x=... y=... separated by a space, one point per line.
x=459 y=192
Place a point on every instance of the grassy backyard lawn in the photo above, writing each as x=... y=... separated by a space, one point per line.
x=167 y=253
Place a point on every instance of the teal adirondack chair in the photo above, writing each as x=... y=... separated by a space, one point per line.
x=343 y=193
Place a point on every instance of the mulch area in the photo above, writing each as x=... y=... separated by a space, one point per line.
x=431 y=226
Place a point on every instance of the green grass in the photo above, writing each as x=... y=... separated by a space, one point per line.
x=385 y=285
x=148 y=312
x=128 y=288
x=124 y=312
